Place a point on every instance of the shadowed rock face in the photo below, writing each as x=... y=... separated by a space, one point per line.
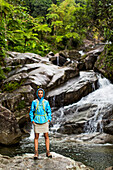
x=73 y=90
x=26 y=161
x=14 y=100
x=9 y=128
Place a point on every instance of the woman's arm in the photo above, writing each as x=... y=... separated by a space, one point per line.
x=49 y=111
x=31 y=113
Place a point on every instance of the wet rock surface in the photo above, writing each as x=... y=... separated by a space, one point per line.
x=73 y=90
x=26 y=161
x=90 y=138
x=77 y=119
x=9 y=128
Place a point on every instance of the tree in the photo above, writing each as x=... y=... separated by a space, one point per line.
x=101 y=14
x=38 y=7
x=67 y=22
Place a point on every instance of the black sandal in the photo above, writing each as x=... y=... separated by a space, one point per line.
x=36 y=155
x=48 y=154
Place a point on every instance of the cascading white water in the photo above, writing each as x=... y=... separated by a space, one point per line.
x=57 y=125
x=57 y=60
x=100 y=97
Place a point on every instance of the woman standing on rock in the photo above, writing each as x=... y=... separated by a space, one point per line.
x=40 y=115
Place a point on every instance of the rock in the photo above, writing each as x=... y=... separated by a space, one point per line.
x=90 y=61
x=9 y=128
x=17 y=58
x=90 y=138
x=72 y=54
x=109 y=168
x=109 y=127
x=57 y=59
x=19 y=102
x=26 y=161
x=102 y=139
x=38 y=73
x=47 y=76
x=76 y=119
x=64 y=57
x=73 y=90
x=98 y=51
x=19 y=99
x=18 y=77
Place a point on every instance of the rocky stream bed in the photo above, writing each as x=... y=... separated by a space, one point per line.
x=80 y=98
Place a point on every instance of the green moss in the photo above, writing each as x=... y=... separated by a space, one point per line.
x=11 y=86
x=83 y=57
x=2 y=74
x=21 y=105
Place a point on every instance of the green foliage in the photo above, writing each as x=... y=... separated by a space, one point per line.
x=39 y=7
x=11 y=86
x=57 y=25
x=2 y=75
x=101 y=13
x=21 y=105
x=68 y=23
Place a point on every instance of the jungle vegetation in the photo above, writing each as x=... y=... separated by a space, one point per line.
x=39 y=26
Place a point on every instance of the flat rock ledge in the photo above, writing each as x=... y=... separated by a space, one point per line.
x=26 y=162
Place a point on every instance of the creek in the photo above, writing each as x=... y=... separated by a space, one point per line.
x=98 y=156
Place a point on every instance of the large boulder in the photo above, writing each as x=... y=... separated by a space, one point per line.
x=19 y=102
x=73 y=90
x=18 y=99
x=17 y=58
x=26 y=161
x=90 y=58
x=9 y=128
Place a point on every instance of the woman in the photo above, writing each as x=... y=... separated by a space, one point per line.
x=40 y=115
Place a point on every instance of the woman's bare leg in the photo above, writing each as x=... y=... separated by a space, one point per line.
x=46 y=140
x=36 y=143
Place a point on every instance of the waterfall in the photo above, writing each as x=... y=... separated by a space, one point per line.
x=103 y=95
x=58 y=60
x=100 y=97
x=58 y=120
x=81 y=52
